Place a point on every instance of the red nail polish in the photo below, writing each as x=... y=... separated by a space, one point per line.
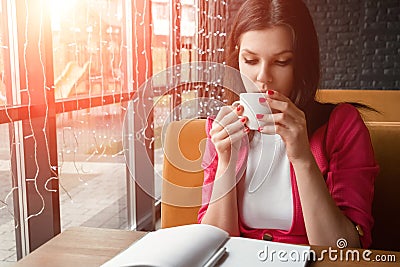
x=243 y=119
x=262 y=100
x=260 y=116
x=270 y=92
x=260 y=129
x=238 y=108
x=246 y=129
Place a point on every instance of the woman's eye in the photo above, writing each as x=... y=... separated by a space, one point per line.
x=283 y=62
x=250 y=61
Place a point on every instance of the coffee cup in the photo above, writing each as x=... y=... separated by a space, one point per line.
x=251 y=107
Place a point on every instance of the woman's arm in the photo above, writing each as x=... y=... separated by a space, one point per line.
x=325 y=223
x=222 y=209
x=226 y=134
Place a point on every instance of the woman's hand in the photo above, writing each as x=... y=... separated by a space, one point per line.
x=289 y=122
x=228 y=130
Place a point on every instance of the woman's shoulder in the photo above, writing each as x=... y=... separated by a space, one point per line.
x=346 y=126
x=345 y=115
x=345 y=110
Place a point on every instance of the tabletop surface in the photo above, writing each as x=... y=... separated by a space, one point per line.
x=84 y=246
x=81 y=246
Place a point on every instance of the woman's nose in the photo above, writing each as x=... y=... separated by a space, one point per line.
x=264 y=75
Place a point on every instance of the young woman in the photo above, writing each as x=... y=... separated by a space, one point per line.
x=312 y=183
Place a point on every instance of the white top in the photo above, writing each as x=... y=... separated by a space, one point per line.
x=267 y=200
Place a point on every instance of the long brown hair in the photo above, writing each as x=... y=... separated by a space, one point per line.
x=262 y=14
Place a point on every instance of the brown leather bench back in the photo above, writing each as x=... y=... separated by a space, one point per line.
x=386 y=206
x=385 y=101
x=182 y=173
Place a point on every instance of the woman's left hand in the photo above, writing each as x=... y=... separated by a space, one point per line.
x=289 y=122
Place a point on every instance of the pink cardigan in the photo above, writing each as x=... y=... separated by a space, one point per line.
x=343 y=151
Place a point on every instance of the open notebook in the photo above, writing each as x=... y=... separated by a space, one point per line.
x=205 y=245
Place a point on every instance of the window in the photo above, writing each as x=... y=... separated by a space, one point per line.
x=88 y=62
x=184 y=32
x=66 y=83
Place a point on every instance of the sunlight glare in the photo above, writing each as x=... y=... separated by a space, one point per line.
x=58 y=9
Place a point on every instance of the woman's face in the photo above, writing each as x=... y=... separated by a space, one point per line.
x=266 y=57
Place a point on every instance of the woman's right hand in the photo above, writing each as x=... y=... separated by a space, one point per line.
x=227 y=131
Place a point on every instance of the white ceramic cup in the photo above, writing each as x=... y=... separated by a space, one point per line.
x=251 y=107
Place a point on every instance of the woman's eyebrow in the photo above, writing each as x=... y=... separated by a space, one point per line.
x=248 y=51
x=283 y=52
x=275 y=54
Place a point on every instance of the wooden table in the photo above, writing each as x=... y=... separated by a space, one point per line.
x=82 y=246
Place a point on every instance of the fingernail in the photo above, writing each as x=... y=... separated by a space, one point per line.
x=243 y=119
x=262 y=100
x=246 y=129
x=260 y=116
x=260 y=129
x=238 y=108
x=270 y=92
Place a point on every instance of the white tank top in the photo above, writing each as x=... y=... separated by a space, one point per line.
x=267 y=200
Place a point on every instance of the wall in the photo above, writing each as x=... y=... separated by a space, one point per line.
x=359 y=41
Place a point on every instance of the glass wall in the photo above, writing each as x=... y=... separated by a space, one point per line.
x=87 y=46
x=7 y=219
x=173 y=43
x=87 y=51
x=92 y=170
x=162 y=117
x=3 y=52
x=7 y=223
x=62 y=161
